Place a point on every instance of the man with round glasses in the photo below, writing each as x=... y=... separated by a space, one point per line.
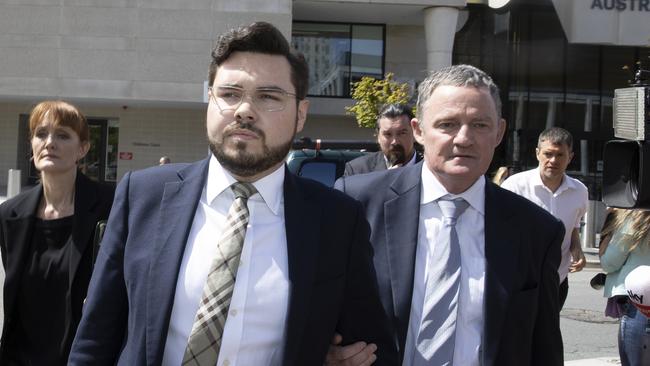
x=233 y=260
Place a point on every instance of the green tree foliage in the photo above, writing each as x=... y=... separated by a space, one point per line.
x=370 y=94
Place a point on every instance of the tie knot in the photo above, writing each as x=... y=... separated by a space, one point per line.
x=243 y=190
x=452 y=209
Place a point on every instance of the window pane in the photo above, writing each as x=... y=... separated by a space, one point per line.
x=367 y=51
x=324 y=172
x=326 y=48
x=338 y=54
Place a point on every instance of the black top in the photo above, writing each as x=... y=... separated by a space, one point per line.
x=37 y=334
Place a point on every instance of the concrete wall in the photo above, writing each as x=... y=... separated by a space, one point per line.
x=152 y=133
x=123 y=50
x=152 y=57
x=342 y=128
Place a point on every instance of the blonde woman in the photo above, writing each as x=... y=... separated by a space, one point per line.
x=46 y=238
x=625 y=247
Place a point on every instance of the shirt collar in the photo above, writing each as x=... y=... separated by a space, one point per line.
x=269 y=187
x=410 y=162
x=432 y=190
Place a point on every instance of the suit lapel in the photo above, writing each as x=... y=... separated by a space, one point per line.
x=401 y=213
x=502 y=241
x=379 y=163
x=85 y=220
x=179 y=202
x=302 y=222
x=18 y=233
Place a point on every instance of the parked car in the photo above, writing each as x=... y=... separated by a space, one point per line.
x=324 y=160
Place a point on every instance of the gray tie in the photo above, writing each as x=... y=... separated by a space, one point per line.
x=437 y=333
x=205 y=338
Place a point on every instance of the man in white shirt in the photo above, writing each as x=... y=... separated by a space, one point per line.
x=233 y=260
x=395 y=139
x=503 y=307
x=564 y=197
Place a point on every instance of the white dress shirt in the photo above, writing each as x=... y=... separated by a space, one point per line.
x=254 y=330
x=471 y=235
x=568 y=204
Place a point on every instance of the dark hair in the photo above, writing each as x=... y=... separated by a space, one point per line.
x=394 y=110
x=261 y=37
x=556 y=136
x=457 y=75
x=61 y=114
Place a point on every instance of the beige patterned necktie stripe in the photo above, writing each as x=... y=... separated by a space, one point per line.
x=205 y=337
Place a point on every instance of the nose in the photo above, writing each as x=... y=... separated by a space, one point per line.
x=463 y=136
x=245 y=110
x=49 y=140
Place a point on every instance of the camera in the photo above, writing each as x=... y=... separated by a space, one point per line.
x=626 y=163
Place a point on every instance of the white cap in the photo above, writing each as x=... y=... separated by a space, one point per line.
x=637 y=284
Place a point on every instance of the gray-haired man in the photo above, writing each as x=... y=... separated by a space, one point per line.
x=474 y=287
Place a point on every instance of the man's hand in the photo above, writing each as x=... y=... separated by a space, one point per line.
x=356 y=354
x=578 y=260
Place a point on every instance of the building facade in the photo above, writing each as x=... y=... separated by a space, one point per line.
x=138 y=68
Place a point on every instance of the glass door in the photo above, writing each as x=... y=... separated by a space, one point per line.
x=100 y=163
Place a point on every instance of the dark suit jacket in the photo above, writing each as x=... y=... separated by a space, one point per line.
x=92 y=203
x=333 y=285
x=522 y=249
x=373 y=162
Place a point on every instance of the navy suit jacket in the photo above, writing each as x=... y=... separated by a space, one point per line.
x=333 y=285
x=522 y=250
x=373 y=162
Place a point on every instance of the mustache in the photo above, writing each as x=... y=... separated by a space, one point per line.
x=239 y=126
x=399 y=148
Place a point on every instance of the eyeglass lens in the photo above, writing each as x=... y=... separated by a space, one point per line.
x=228 y=98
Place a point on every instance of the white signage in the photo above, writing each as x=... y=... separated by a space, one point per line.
x=621 y=5
x=606 y=22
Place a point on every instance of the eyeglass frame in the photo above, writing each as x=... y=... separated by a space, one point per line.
x=247 y=93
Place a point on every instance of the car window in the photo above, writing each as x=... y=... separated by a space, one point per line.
x=322 y=171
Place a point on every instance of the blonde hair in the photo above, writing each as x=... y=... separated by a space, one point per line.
x=502 y=173
x=639 y=227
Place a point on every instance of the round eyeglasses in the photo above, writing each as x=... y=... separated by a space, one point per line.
x=229 y=98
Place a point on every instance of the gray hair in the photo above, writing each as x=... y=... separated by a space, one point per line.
x=556 y=136
x=457 y=75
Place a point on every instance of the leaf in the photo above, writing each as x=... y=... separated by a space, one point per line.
x=371 y=94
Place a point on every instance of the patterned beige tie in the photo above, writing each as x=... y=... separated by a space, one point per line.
x=205 y=339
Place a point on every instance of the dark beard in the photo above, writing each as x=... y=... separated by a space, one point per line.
x=396 y=155
x=244 y=163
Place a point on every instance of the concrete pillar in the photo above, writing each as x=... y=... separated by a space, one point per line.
x=440 y=31
x=550 y=112
x=584 y=152
x=519 y=125
x=594 y=221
